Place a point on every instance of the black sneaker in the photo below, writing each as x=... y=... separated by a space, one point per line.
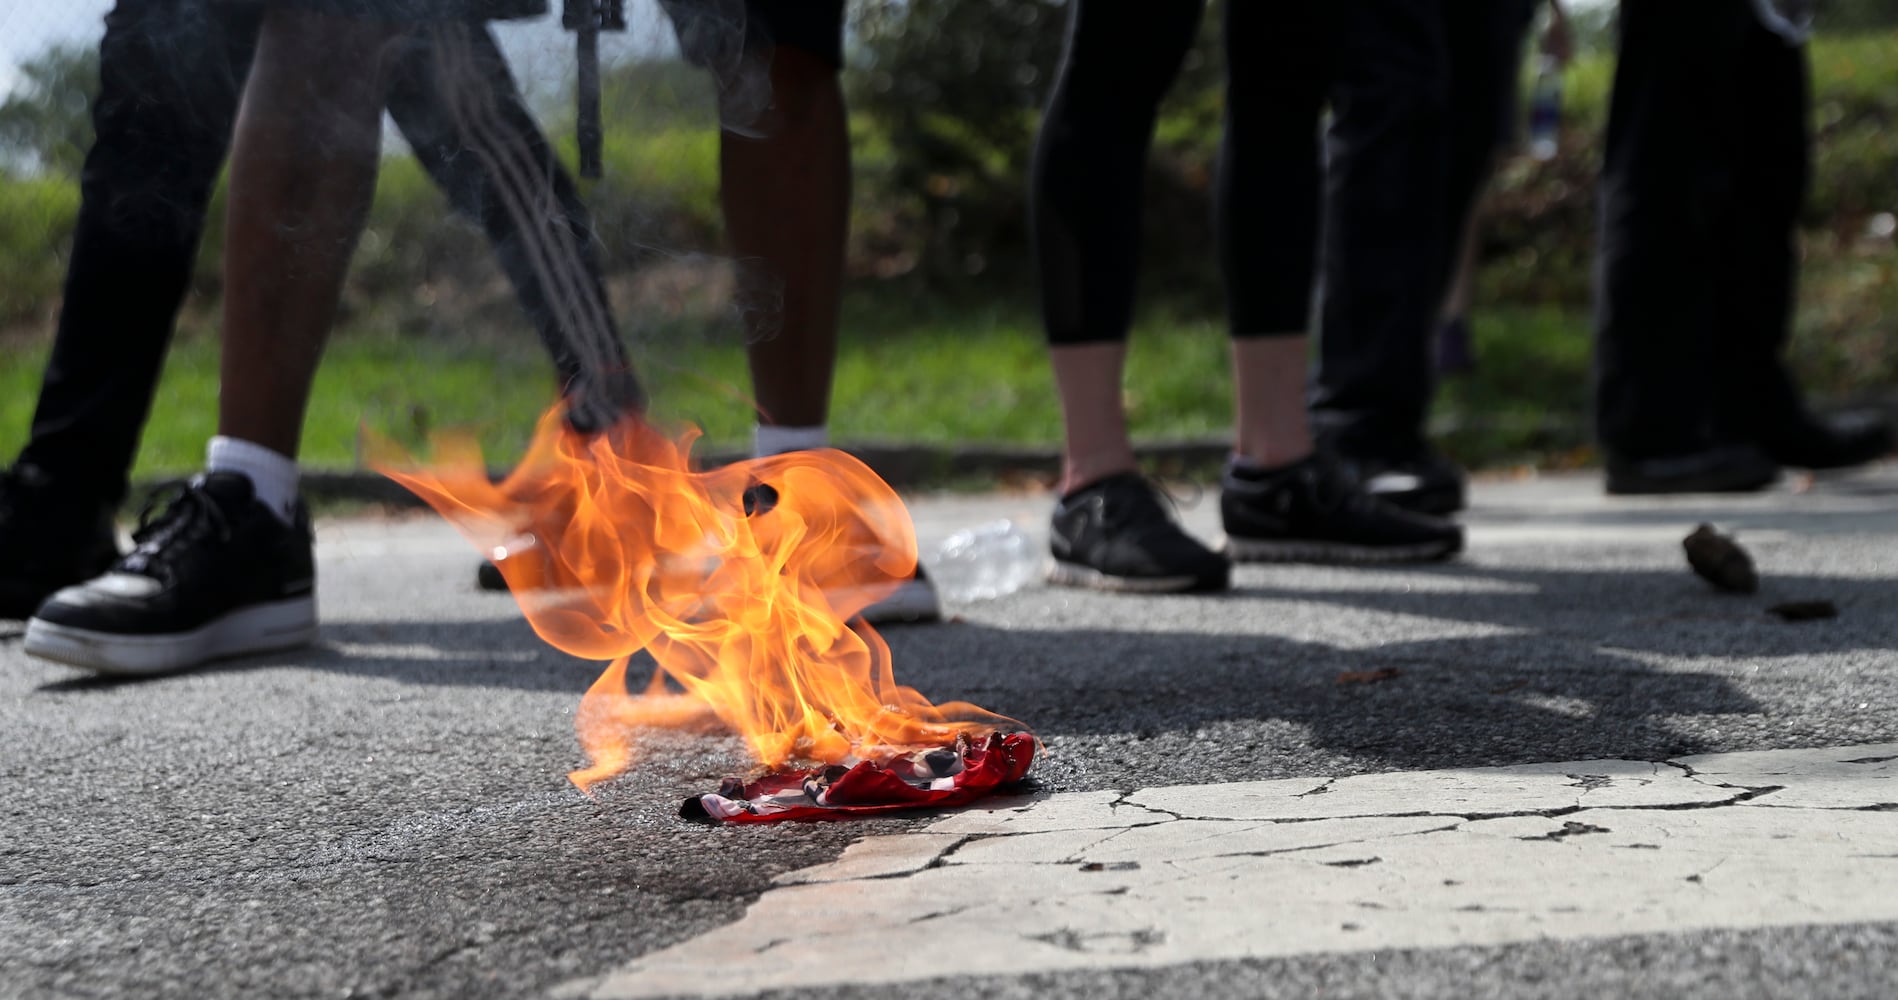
x=214 y=574
x=1315 y=511
x=1118 y=535
x=48 y=540
x=1838 y=442
x=1722 y=469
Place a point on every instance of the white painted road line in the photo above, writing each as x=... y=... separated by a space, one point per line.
x=1421 y=859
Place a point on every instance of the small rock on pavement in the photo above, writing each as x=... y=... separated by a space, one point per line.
x=1721 y=561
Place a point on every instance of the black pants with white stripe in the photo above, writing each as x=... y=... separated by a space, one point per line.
x=171 y=75
x=1704 y=173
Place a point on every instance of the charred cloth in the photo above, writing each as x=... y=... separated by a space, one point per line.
x=938 y=778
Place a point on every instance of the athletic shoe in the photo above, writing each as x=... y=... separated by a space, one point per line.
x=214 y=574
x=1315 y=511
x=1117 y=534
x=49 y=539
x=1726 y=469
x=1839 y=442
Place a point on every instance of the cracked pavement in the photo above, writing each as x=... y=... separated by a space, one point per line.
x=1421 y=859
x=1637 y=786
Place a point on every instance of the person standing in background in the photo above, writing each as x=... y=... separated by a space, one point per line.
x=1706 y=167
x=171 y=75
x=1281 y=499
x=1419 y=107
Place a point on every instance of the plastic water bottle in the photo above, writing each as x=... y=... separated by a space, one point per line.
x=984 y=563
x=1545 y=110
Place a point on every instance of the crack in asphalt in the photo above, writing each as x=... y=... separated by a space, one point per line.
x=1068 y=939
x=1323 y=789
x=1557 y=812
x=1125 y=798
x=1570 y=829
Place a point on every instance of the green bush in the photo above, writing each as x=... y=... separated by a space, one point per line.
x=36 y=220
x=945 y=107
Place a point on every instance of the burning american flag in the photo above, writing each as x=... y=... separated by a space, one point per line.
x=742 y=582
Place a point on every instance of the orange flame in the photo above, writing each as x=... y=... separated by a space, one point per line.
x=615 y=543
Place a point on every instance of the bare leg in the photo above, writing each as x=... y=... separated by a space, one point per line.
x=1094 y=419
x=1269 y=399
x=303 y=170
x=786 y=198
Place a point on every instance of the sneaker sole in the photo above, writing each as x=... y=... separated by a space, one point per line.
x=1254 y=550
x=1067 y=574
x=259 y=628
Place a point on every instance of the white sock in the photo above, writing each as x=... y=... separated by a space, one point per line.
x=770 y=439
x=272 y=475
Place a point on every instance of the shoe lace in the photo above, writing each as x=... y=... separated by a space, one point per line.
x=174 y=514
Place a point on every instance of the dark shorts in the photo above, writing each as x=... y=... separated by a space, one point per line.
x=706 y=27
x=418 y=10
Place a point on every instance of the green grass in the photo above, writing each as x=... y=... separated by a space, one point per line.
x=907 y=373
x=397 y=389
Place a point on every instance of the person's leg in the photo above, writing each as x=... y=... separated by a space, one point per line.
x=1484 y=39
x=1088 y=178
x=785 y=192
x=170 y=76
x=1278 y=68
x=1110 y=530
x=226 y=567
x=1755 y=397
x=1384 y=223
x=303 y=173
x=784 y=187
x=1667 y=182
x=454 y=98
x=1279 y=499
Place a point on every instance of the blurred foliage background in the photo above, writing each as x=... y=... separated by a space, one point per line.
x=945 y=98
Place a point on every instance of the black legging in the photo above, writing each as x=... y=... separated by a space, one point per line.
x=1091 y=157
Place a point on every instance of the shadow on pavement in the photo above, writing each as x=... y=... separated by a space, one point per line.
x=1491 y=665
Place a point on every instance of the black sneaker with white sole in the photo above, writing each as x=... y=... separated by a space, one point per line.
x=214 y=574
x=1117 y=534
x=1316 y=511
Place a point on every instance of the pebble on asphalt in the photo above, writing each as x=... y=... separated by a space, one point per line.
x=1721 y=561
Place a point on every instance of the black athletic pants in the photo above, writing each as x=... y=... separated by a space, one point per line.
x=1705 y=170
x=1418 y=110
x=171 y=74
x=1091 y=158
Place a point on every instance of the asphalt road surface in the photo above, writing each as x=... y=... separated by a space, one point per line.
x=1548 y=769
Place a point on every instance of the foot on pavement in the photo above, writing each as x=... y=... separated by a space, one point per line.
x=1117 y=534
x=214 y=574
x=1316 y=511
